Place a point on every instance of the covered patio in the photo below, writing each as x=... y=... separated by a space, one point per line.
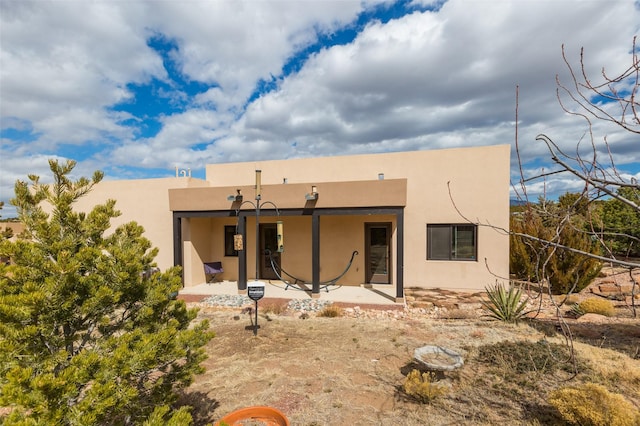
x=325 y=226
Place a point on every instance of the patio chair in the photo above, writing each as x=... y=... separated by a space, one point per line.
x=212 y=269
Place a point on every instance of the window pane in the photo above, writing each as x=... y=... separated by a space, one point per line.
x=229 y=247
x=451 y=242
x=438 y=242
x=378 y=250
x=463 y=242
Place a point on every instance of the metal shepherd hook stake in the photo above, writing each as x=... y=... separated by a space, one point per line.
x=255 y=290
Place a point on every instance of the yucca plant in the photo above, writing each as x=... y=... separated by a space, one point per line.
x=576 y=311
x=505 y=304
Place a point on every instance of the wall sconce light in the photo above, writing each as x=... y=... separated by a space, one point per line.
x=313 y=195
x=235 y=198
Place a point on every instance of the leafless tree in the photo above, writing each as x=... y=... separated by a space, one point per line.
x=607 y=99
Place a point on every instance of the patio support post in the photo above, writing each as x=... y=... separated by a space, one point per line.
x=177 y=243
x=400 y=255
x=242 y=254
x=315 y=254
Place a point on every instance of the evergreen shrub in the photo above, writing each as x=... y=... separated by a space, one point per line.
x=591 y=404
x=595 y=305
x=90 y=331
x=423 y=386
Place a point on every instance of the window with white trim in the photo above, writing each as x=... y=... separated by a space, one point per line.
x=452 y=242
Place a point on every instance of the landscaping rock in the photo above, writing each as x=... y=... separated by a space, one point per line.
x=593 y=318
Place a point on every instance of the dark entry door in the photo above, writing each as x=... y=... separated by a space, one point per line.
x=268 y=242
x=378 y=253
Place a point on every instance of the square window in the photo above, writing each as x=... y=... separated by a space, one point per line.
x=451 y=242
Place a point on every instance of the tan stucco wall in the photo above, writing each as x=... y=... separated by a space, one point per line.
x=204 y=242
x=16 y=228
x=196 y=234
x=434 y=186
x=443 y=186
x=145 y=201
x=390 y=192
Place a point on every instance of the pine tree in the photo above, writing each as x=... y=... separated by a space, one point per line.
x=87 y=335
x=6 y=232
x=621 y=223
x=539 y=259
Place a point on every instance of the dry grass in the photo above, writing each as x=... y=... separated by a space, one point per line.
x=330 y=311
x=273 y=306
x=326 y=371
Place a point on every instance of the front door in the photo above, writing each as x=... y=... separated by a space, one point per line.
x=378 y=253
x=268 y=243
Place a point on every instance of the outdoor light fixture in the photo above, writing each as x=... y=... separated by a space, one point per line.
x=313 y=195
x=235 y=198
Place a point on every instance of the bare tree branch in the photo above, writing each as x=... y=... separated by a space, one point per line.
x=599 y=184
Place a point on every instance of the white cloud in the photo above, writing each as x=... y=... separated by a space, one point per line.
x=235 y=44
x=63 y=63
x=425 y=80
x=431 y=80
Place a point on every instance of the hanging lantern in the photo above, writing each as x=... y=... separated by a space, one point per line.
x=280 y=234
x=237 y=242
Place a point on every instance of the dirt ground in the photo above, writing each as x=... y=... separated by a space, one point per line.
x=350 y=370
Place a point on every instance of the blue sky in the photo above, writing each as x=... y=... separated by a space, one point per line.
x=139 y=88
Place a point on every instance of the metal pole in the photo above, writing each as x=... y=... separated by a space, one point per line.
x=255 y=327
x=258 y=197
x=257 y=240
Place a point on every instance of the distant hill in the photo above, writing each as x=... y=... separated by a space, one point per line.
x=515 y=202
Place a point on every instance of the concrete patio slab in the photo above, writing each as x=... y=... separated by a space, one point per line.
x=370 y=295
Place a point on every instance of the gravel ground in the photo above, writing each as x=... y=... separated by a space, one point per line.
x=311 y=307
x=238 y=301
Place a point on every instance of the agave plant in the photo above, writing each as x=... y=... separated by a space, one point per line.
x=505 y=304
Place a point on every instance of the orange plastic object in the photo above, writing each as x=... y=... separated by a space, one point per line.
x=268 y=416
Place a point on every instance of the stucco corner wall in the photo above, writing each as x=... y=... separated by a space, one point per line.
x=459 y=186
x=449 y=186
x=145 y=201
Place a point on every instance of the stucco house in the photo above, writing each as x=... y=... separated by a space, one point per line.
x=402 y=219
